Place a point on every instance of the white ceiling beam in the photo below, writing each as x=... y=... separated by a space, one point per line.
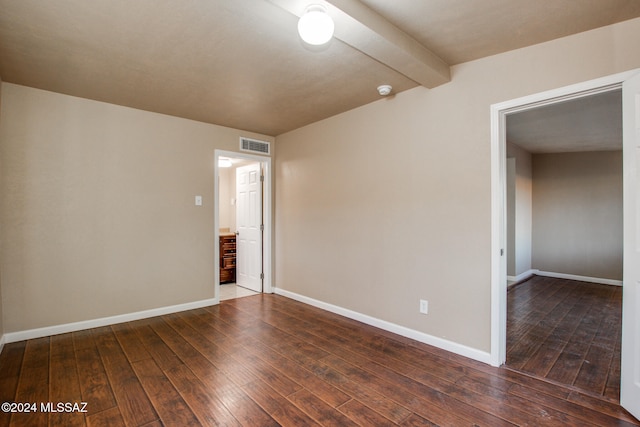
x=369 y=32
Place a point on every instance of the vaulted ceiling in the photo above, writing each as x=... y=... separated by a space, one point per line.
x=240 y=63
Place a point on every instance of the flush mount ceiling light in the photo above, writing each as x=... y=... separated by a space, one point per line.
x=223 y=162
x=315 y=25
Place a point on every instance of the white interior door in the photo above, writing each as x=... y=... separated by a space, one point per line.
x=248 y=223
x=630 y=370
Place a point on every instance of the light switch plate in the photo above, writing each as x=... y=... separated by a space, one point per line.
x=424 y=306
x=198 y=200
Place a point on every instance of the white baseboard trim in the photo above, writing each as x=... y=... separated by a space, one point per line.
x=441 y=343
x=522 y=276
x=579 y=278
x=104 y=321
x=2 y=342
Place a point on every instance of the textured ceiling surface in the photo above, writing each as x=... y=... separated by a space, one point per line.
x=592 y=123
x=240 y=63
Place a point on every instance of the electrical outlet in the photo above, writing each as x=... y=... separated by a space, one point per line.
x=424 y=306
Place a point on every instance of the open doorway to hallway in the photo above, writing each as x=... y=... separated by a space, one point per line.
x=629 y=82
x=242 y=225
x=565 y=225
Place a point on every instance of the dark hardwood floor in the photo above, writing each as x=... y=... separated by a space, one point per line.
x=568 y=332
x=266 y=360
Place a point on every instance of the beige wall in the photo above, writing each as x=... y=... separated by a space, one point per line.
x=520 y=220
x=97 y=209
x=577 y=213
x=511 y=216
x=376 y=243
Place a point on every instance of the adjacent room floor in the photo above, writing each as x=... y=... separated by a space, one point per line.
x=231 y=290
x=568 y=332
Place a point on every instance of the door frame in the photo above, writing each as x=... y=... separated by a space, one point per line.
x=499 y=113
x=267 y=197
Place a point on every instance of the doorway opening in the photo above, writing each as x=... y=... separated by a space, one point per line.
x=564 y=226
x=630 y=85
x=242 y=224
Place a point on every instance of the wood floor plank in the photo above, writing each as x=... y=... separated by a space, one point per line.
x=10 y=368
x=93 y=380
x=525 y=380
x=243 y=408
x=416 y=420
x=166 y=400
x=329 y=394
x=206 y=360
x=324 y=372
x=581 y=348
x=363 y=415
x=527 y=304
x=557 y=331
x=595 y=367
x=272 y=335
x=281 y=409
x=361 y=392
x=64 y=385
x=539 y=385
x=192 y=382
x=203 y=402
x=369 y=360
x=196 y=332
x=246 y=410
x=284 y=384
x=107 y=418
x=33 y=383
x=523 y=352
x=320 y=411
x=362 y=356
x=612 y=389
x=135 y=407
x=168 y=368
x=430 y=403
x=526 y=316
x=266 y=360
x=131 y=345
x=535 y=413
x=289 y=367
x=567 y=365
x=583 y=412
x=179 y=346
x=154 y=345
x=258 y=369
x=601 y=406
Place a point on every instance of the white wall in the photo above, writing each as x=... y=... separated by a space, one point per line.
x=376 y=243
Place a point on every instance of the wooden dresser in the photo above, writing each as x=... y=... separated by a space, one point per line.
x=227 y=258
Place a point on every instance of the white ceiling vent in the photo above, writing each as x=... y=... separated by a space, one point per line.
x=255 y=146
